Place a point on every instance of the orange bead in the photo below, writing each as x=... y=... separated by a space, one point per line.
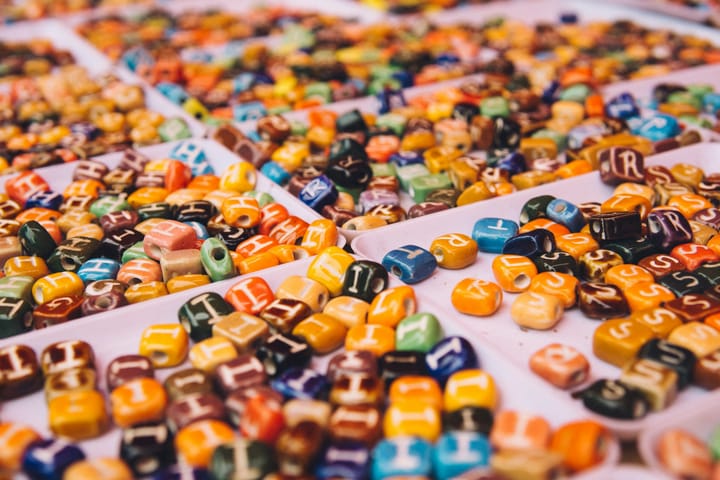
x=177 y=175
x=514 y=430
x=556 y=228
x=574 y=168
x=207 y=183
x=259 y=261
x=320 y=234
x=376 y=339
x=196 y=442
x=689 y=203
x=583 y=444
x=594 y=105
x=414 y=389
x=513 y=273
x=647 y=295
x=476 y=297
x=392 y=305
x=250 y=295
x=137 y=401
x=89 y=187
x=693 y=255
x=24 y=185
x=627 y=203
x=576 y=244
x=561 y=285
x=270 y=216
x=560 y=365
x=254 y=245
x=627 y=275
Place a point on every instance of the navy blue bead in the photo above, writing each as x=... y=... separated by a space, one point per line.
x=623 y=106
x=566 y=213
x=402 y=456
x=491 y=233
x=48 y=459
x=320 y=191
x=275 y=172
x=513 y=163
x=549 y=95
x=450 y=355
x=458 y=452
x=401 y=159
x=50 y=199
x=98 y=269
x=348 y=460
x=390 y=99
x=568 y=17
x=300 y=382
x=447 y=59
x=534 y=242
x=410 y=263
x=405 y=79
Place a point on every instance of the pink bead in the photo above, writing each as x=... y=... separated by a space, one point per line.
x=139 y=270
x=167 y=236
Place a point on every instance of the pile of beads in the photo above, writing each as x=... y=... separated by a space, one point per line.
x=34 y=9
x=686 y=455
x=143 y=229
x=646 y=261
x=67 y=115
x=32 y=58
x=401 y=400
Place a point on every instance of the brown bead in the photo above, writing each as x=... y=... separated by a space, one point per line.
x=388 y=183
x=227 y=135
x=150 y=179
x=186 y=382
x=298 y=446
x=693 y=307
x=192 y=408
x=389 y=213
x=357 y=389
x=19 y=371
x=482 y=131
x=655 y=174
x=89 y=170
x=361 y=423
x=338 y=215
x=103 y=296
x=601 y=300
x=661 y=264
x=73 y=380
x=59 y=310
x=284 y=313
x=707 y=371
x=595 y=264
x=122 y=219
x=351 y=362
x=128 y=367
x=68 y=354
x=236 y=402
x=273 y=128
x=426 y=208
x=240 y=373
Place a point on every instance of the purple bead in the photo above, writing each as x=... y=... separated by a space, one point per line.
x=355 y=361
x=48 y=459
x=668 y=228
x=706 y=216
x=346 y=459
x=402 y=159
x=513 y=163
x=86 y=129
x=372 y=198
x=300 y=383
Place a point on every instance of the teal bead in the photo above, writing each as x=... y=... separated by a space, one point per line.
x=576 y=93
x=495 y=107
x=35 y=240
x=134 y=252
x=408 y=172
x=17 y=286
x=109 y=204
x=263 y=198
x=216 y=260
x=686 y=98
x=15 y=316
x=418 y=332
x=392 y=121
x=320 y=90
x=383 y=169
x=298 y=128
x=560 y=139
x=174 y=128
x=421 y=187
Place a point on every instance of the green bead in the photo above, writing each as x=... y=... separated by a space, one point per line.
x=263 y=198
x=392 y=121
x=559 y=138
x=535 y=208
x=495 y=107
x=174 y=128
x=406 y=173
x=695 y=120
x=419 y=332
x=256 y=459
x=383 y=72
x=297 y=37
x=216 y=260
x=421 y=187
x=17 y=286
x=134 y=252
x=72 y=253
x=155 y=210
x=109 y=204
x=714 y=443
x=215 y=121
x=576 y=93
x=319 y=90
x=15 y=316
x=383 y=169
x=631 y=251
x=198 y=314
x=35 y=240
x=298 y=128
x=699 y=90
x=379 y=85
x=685 y=98
x=279 y=109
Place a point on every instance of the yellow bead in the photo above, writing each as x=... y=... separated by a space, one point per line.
x=417 y=140
x=476 y=192
x=141 y=292
x=454 y=250
x=32 y=266
x=700 y=338
x=618 y=341
x=55 y=285
x=146 y=195
x=160 y=165
x=573 y=169
x=660 y=320
x=646 y=295
x=78 y=415
x=409 y=419
x=636 y=189
x=438 y=110
x=476 y=297
x=328 y=268
x=291 y=155
x=145 y=226
x=350 y=311
x=470 y=388
x=534 y=148
x=305 y=289
x=438 y=159
x=376 y=339
x=323 y=332
x=687 y=174
x=185 y=282
x=211 y=352
x=166 y=345
x=288 y=253
x=242 y=329
x=532 y=178
x=239 y=177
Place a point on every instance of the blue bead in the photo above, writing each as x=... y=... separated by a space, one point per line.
x=623 y=106
x=410 y=263
x=658 y=127
x=320 y=191
x=244 y=112
x=447 y=59
x=401 y=159
x=711 y=102
x=563 y=212
x=458 y=452
x=48 y=459
x=491 y=233
x=275 y=172
x=534 y=242
x=174 y=92
x=231 y=50
x=450 y=355
x=402 y=456
x=50 y=199
x=348 y=460
x=514 y=163
x=137 y=56
x=195 y=55
x=300 y=383
x=200 y=230
x=254 y=136
x=390 y=99
x=243 y=82
x=192 y=155
x=98 y=269
x=549 y=95
x=405 y=78
x=568 y=17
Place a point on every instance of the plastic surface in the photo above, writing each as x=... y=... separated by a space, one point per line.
x=499 y=330
x=118 y=333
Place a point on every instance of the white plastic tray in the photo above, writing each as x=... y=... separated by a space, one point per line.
x=95 y=62
x=118 y=333
x=694 y=14
x=500 y=330
x=695 y=420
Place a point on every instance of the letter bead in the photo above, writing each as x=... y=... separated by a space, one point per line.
x=56 y=285
x=470 y=388
x=601 y=300
x=513 y=430
x=211 y=352
x=310 y=292
x=78 y=415
x=350 y=311
x=66 y=355
x=684 y=455
x=618 y=341
x=583 y=444
x=490 y=234
x=166 y=236
x=196 y=442
x=364 y=279
x=280 y=352
x=166 y=345
x=410 y=263
x=138 y=401
x=561 y=365
x=391 y=306
x=243 y=458
x=193 y=408
x=418 y=332
x=707 y=371
x=613 y=399
x=535 y=310
x=128 y=367
x=402 y=457
x=351 y=362
x=454 y=251
x=298 y=382
x=530 y=243
x=200 y=313
x=98 y=469
x=513 y=273
x=560 y=285
x=250 y=295
x=450 y=355
x=657 y=382
x=50 y=458
x=188 y=382
x=697 y=337
x=476 y=297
